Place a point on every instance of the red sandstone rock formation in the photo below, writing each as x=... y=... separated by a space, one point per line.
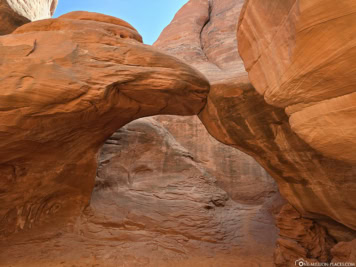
x=14 y=13
x=99 y=88
x=344 y=252
x=319 y=187
x=172 y=208
x=300 y=238
x=59 y=104
x=300 y=55
x=153 y=199
x=154 y=205
x=238 y=174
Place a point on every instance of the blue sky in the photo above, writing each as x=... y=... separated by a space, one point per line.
x=149 y=17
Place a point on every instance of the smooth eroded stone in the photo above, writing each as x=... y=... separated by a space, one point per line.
x=301 y=56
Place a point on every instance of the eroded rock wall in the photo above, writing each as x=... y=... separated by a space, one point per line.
x=318 y=186
x=300 y=56
x=236 y=172
x=154 y=204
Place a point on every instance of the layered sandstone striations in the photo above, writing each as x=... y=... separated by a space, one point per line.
x=14 y=13
x=59 y=104
x=321 y=188
x=154 y=202
x=154 y=205
x=203 y=35
x=238 y=174
x=301 y=56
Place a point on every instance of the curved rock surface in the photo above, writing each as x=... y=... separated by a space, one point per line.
x=319 y=187
x=14 y=13
x=301 y=56
x=59 y=103
x=203 y=33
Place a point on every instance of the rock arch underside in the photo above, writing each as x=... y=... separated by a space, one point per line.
x=229 y=142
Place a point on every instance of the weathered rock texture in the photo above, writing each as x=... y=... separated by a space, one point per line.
x=14 y=13
x=66 y=86
x=203 y=33
x=155 y=205
x=319 y=187
x=301 y=56
x=300 y=238
x=174 y=209
x=293 y=66
x=155 y=201
x=344 y=252
x=238 y=174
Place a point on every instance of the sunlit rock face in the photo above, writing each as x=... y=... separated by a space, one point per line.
x=301 y=59
x=14 y=13
x=319 y=185
x=33 y=9
x=67 y=85
x=300 y=55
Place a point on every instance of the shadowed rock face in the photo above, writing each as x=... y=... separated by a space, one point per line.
x=300 y=238
x=344 y=252
x=59 y=103
x=14 y=13
x=155 y=205
x=321 y=188
x=173 y=204
x=203 y=34
x=238 y=174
